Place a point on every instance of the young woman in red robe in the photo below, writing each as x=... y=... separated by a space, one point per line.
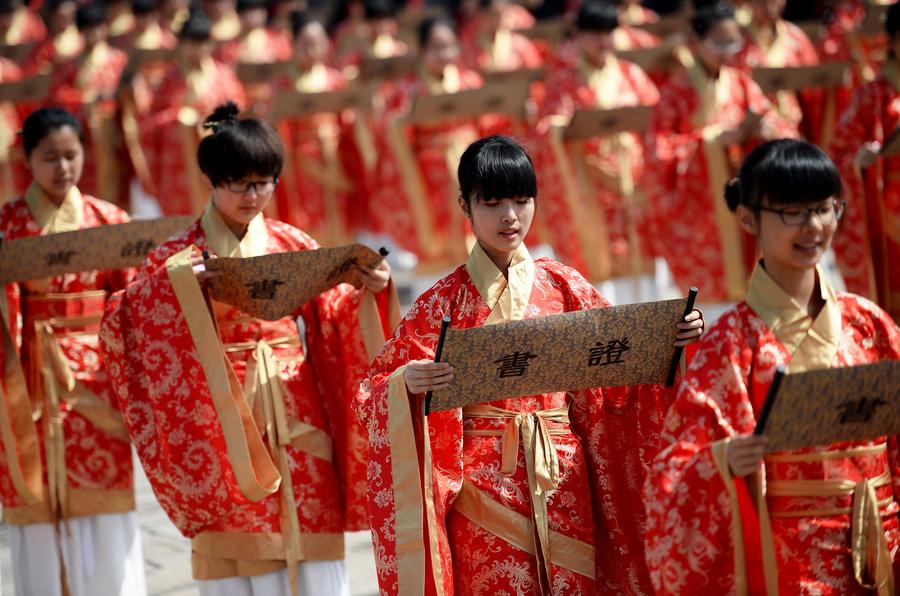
x=497 y=47
x=704 y=533
x=243 y=425
x=868 y=248
x=455 y=502
x=66 y=479
x=169 y=133
x=707 y=116
x=592 y=185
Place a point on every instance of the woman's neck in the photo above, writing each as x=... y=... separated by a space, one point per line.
x=238 y=229
x=501 y=260
x=799 y=284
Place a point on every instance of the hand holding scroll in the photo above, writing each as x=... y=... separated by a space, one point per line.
x=745 y=454
x=690 y=330
x=425 y=375
x=375 y=279
x=198 y=264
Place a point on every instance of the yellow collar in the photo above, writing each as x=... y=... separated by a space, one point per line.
x=604 y=81
x=66 y=217
x=315 y=80
x=448 y=83
x=812 y=343
x=507 y=299
x=224 y=243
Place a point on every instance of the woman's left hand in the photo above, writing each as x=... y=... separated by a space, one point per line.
x=690 y=329
x=375 y=278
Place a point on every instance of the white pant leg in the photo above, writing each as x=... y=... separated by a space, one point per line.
x=102 y=553
x=314 y=578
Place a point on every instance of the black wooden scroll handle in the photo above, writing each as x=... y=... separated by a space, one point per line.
x=445 y=324
x=770 y=401
x=676 y=357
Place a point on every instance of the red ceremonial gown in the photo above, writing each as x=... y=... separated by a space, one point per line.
x=704 y=535
x=686 y=172
x=243 y=425
x=868 y=245
x=65 y=448
x=473 y=531
x=11 y=155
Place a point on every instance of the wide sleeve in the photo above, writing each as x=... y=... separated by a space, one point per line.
x=407 y=514
x=696 y=510
x=181 y=402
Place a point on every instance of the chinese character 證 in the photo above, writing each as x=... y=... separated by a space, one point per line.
x=859 y=410
x=62 y=257
x=264 y=289
x=514 y=365
x=608 y=353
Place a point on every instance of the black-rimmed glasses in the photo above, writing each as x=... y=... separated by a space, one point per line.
x=827 y=213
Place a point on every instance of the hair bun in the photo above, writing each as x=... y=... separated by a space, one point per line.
x=733 y=193
x=226 y=113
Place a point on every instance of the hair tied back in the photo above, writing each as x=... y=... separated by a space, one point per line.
x=224 y=115
x=733 y=193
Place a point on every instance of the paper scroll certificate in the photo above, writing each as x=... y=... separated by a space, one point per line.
x=92 y=249
x=821 y=407
x=507 y=97
x=604 y=347
x=274 y=286
x=34 y=88
x=797 y=78
x=298 y=105
x=587 y=124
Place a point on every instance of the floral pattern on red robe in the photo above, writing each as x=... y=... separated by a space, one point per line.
x=685 y=191
x=868 y=244
x=66 y=310
x=472 y=559
x=568 y=90
x=691 y=544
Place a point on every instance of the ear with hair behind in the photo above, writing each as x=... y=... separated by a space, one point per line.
x=748 y=220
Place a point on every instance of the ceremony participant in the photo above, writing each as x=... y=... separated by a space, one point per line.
x=62 y=41
x=256 y=43
x=226 y=25
x=321 y=176
x=772 y=42
x=243 y=425
x=868 y=248
x=496 y=47
x=479 y=483
x=169 y=132
x=11 y=174
x=19 y=24
x=592 y=222
x=713 y=526
x=708 y=115
x=377 y=36
x=414 y=195
x=66 y=478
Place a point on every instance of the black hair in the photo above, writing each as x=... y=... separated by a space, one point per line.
x=51 y=6
x=380 y=9
x=144 y=7
x=496 y=167
x=300 y=20
x=43 y=121
x=197 y=27
x=597 y=16
x=90 y=15
x=243 y=5
x=708 y=15
x=238 y=147
x=782 y=172
x=429 y=25
x=9 y=6
x=892 y=21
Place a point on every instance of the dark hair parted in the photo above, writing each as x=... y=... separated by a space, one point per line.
x=197 y=27
x=380 y=9
x=496 y=167
x=783 y=172
x=90 y=15
x=597 y=16
x=429 y=25
x=892 y=21
x=43 y=121
x=709 y=15
x=301 y=20
x=238 y=147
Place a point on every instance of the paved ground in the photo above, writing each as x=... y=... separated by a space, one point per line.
x=167 y=556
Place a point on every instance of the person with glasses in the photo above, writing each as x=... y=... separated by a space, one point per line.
x=704 y=533
x=708 y=116
x=869 y=252
x=244 y=425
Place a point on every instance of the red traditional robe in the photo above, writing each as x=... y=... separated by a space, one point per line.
x=258 y=46
x=507 y=51
x=53 y=51
x=703 y=533
x=169 y=134
x=86 y=87
x=323 y=181
x=415 y=193
x=27 y=27
x=65 y=448
x=471 y=532
x=242 y=425
x=589 y=208
x=686 y=172
x=11 y=155
x=868 y=245
x=787 y=46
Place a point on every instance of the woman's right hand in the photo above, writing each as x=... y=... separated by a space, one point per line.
x=745 y=454
x=426 y=375
x=203 y=275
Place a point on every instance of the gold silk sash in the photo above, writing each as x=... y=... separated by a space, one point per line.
x=541 y=462
x=264 y=392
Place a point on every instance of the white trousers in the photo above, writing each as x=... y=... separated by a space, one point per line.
x=102 y=554
x=314 y=578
